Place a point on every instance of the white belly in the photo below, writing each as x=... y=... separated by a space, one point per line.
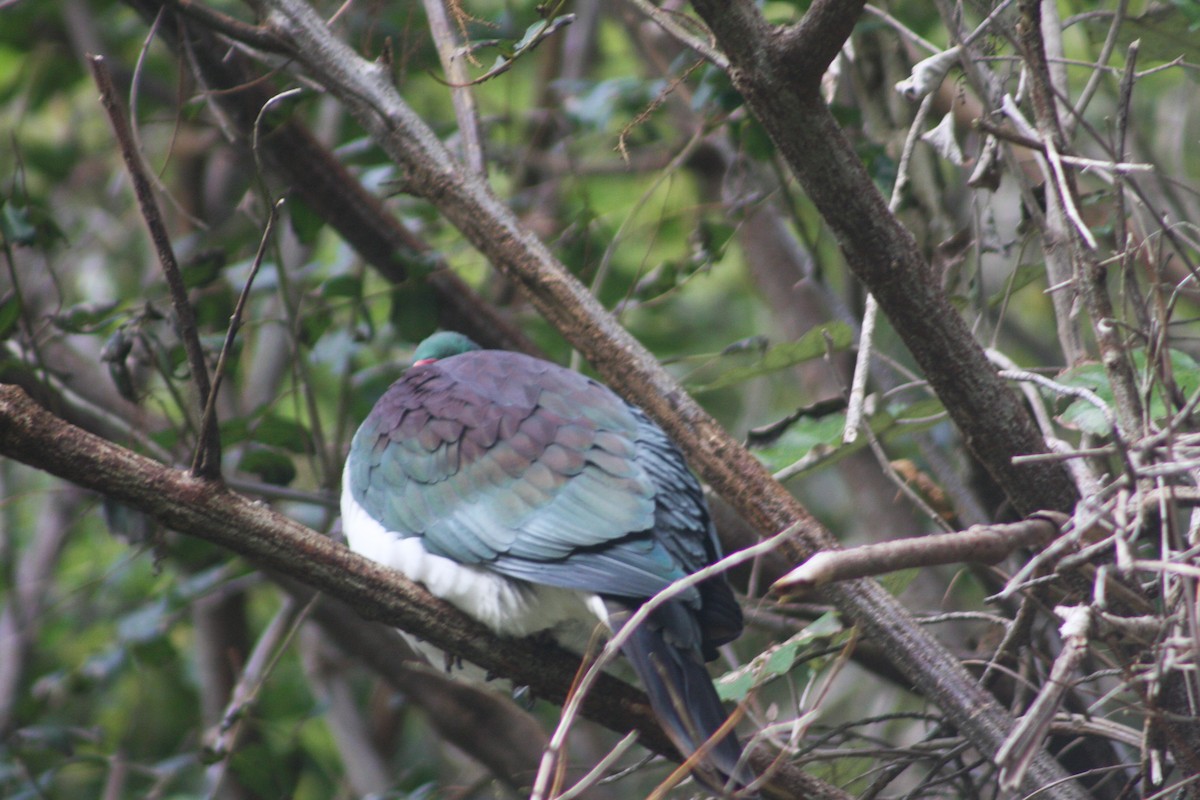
x=508 y=607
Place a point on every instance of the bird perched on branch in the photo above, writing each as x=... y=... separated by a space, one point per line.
x=535 y=499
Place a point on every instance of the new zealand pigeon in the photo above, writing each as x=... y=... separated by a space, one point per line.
x=534 y=498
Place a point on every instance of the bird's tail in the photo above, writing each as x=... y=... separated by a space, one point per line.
x=683 y=697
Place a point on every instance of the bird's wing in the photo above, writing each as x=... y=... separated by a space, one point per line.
x=531 y=469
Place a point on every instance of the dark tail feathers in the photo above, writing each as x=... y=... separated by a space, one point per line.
x=683 y=698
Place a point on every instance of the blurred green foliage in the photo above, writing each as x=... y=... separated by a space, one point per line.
x=109 y=699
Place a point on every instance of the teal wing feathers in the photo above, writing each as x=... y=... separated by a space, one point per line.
x=500 y=459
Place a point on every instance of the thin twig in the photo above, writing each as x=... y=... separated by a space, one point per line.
x=461 y=92
x=1133 y=293
x=673 y=28
x=597 y=773
x=209 y=419
x=208 y=461
x=134 y=84
x=256 y=36
x=571 y=708
x=862 y=363
x=980 y=544
x=1066 y=195
x=1110 y=42
x=267 y=652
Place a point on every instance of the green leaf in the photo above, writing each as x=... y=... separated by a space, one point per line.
x=735 y=687
x=83 y=318
x=282 y=432
x=10 y=315
x=271 y=466
x=896 y=582
x=306 y=223
x=752 y=139
x=1024 y=275
x=313 y=326
x=819 y=439
x=261 y=771
x=416 y=263
x=214 y=307
x=1084 y=415
x=594 y=108
x=203 y=269
x=414 y=310
x=803 y=436
x=814 y=344
x=713 y=236
x=16 y=226
x=342 y=286
x=716 y=90
x=780 y=659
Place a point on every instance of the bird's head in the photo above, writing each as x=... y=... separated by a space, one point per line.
x=442 y=345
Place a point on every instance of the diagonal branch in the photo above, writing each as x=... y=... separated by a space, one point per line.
x=311 y=172
x=207 y=463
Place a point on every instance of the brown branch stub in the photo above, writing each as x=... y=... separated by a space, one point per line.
x=804 y=51
x=208 y=450
x=980 y=544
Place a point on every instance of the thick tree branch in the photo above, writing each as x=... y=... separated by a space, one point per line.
x=880 y=251
x=807 y=49
x=467 y=202
x=209 y=510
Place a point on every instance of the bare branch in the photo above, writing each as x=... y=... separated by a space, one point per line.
x=208 y=455
x=980 y=544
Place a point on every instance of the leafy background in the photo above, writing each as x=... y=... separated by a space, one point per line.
x=640 y=167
